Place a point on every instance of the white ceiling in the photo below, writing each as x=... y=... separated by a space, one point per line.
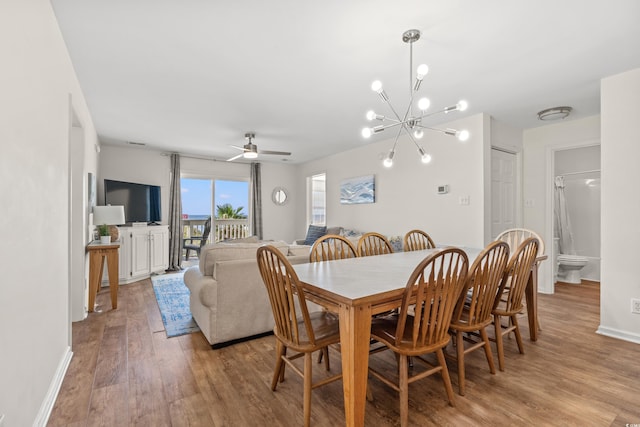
x=193 y=76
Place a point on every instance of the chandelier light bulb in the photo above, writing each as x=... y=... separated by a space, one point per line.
x=422 y=71
x=462 y=135
x=366 y=132
x=424 y=104
x=418 y=133
x=376 y=86
x=462 y=105
x=371 y=115
x=387 y=162
x=424 y=157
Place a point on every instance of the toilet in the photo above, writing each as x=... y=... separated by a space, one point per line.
x=568 y=266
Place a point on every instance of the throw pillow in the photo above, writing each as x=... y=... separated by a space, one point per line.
x=314 y=233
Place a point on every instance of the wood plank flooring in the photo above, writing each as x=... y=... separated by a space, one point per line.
x=126 y=372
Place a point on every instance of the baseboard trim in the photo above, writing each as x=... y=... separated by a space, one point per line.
x=54 y=388
x=621 y=335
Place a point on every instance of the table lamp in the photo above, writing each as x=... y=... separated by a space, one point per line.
x=111 y=216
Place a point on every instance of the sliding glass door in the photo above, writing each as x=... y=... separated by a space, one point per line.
x=226 y=201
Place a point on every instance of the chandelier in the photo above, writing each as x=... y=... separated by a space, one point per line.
x=410 y=123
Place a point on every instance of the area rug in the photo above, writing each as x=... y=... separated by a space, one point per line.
x=173 y=300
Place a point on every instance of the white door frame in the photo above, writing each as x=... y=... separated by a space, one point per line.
x=550 y=203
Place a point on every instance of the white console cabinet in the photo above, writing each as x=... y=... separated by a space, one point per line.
x=143 y=250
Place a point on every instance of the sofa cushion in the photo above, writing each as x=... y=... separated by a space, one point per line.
x=250 y=239
x=296 y=250
x=211 y=254
x=314 y=233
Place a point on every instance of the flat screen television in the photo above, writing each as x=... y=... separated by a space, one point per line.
x=141 y=201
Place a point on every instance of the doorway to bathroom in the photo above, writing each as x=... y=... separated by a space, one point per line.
x=576 y=225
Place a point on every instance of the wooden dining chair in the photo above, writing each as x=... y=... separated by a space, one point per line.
x=509 y=300
x=374 y=244
x=417 y=240
x=330 y=247
x=473 y=312
x=295 y=328
x=434 y=288
x=515 y=236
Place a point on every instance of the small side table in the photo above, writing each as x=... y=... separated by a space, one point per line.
x=98 y=254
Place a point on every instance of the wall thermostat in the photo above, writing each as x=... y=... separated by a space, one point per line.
x=443 y=189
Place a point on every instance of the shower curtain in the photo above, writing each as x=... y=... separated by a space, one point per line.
x=562 y=223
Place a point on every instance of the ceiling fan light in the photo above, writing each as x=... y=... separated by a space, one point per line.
x=250 y=155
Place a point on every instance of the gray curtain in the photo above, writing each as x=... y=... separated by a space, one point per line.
x=175 y=215
x=256 y=200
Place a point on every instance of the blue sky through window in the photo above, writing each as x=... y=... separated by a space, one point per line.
x=196 y=196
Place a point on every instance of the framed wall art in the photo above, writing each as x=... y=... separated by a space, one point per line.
x=358 y=190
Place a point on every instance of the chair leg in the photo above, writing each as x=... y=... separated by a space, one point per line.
x=278 y=373
x=325 y=352
x=445 y=377
x=499 y=344
x=404 y=389
x=308 y=376
x=320 y=355
x=487 y=350
x=460 y=357
x=516 y=330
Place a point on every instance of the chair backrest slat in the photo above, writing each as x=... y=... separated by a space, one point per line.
x=330 y=247
x=516 y=276
x=481 y=288
x=284 y=290
x=434 y=288
x=417 y=240
x=515 y=236
x=374 y=244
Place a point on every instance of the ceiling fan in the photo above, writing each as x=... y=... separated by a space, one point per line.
x=250 y=150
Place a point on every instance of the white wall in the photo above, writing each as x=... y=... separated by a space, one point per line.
x=405 y=194
x=539 y=146
x=620 y=151
x=36 y=84
x=149 y=166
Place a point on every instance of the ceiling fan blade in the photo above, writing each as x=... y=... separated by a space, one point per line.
x=239 y=148
x=279 y=153
x=235 y=157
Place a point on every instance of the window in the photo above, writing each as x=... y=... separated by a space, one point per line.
x=316 y=196
x=225 y=200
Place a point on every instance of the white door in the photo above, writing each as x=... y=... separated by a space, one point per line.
x=503 y=191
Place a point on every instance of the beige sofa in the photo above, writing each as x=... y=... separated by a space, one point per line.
x=228 y=299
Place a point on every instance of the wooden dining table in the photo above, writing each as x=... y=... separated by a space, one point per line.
x=356 y=289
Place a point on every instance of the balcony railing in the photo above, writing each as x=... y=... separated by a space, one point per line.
x=222 y=229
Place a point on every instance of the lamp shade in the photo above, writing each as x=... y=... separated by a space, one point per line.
x=109 y=215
